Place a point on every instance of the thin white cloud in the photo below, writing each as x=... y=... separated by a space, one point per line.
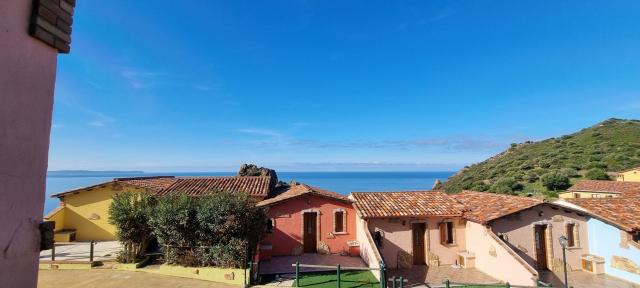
x=57 y=126
x=261 y=132
x=141 y=79
x=274 y=139
x=100 y=120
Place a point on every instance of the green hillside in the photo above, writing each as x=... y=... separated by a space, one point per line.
x=549 y=166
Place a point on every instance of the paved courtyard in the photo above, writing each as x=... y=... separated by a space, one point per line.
x=420 y=275
x=79 y=251
x=585 y=279
x=105 y=278
x=282 y=264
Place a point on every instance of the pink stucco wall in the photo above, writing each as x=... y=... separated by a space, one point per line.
x=397 y=239
x=495 y=258
x=368 y=250
x=27 y=77
x=287 y=230
x=519 y=231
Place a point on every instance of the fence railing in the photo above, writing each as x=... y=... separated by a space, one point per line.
x=449 y=284
x=92 y=245
x=339 y=269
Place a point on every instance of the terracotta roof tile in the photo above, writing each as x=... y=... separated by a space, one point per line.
x=199 y=186
x=627 y=189
x=153 y=183
x=406 y=204
x=192 y=186
x=483 y=207
x=619 y=211
x=299 y=190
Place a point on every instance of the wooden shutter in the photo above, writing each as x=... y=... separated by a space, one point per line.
x=443 y=234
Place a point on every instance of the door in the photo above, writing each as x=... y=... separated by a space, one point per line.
x=541 y=246
x=310 y=237
x=418 y=230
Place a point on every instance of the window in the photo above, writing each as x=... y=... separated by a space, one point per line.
x=636 y=237
x=338 y=220
x=269 y=225
x=571 y=241
x=446 y=233
x=377 y=237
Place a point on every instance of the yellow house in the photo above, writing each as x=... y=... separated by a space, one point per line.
x=632 y=175
x=601 y=189
x=83 y=214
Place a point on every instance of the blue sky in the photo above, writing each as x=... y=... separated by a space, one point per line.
x=336 y=85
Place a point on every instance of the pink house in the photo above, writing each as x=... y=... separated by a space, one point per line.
x=414 y=230
x=305 y=219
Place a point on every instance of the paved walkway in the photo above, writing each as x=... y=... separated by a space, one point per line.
x=585 y=279
x=282 y=264
x=419 y=275
x=103 y=278
x=79 y=251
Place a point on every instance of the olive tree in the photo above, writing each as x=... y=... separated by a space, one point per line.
x=555 y=180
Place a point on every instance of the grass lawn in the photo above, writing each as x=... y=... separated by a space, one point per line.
x=362 y=279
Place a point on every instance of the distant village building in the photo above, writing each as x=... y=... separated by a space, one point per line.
x=601 y=189
x=632 y=175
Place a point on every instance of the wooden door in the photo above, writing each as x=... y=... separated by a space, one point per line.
x=541 y=246
x=418 y=230
x=310 y=232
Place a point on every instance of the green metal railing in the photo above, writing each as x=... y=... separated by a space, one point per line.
x=339 y=269
x=448 y=284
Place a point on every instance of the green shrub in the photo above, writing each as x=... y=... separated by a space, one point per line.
x=531 y=177
x=596 y=174
x=569 y=172
x=129 y=213
x=506 y=185
x=214 y=230
x=555 y=180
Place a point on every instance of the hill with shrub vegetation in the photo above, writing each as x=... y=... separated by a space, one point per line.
x=549 y=166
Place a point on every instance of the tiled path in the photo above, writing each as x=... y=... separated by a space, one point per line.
x=282 y=264
x=584 y=279
x=420 y=275
x=79 y=251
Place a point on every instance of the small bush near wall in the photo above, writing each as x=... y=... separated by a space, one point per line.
x=129 y=213
x=211 y=230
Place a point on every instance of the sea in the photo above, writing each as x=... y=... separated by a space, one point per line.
x=341 y=182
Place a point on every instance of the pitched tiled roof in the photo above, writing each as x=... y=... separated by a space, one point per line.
x=483 y=207
x=627 y=189
x=192 y=186
x=199 y=186
x=406 y=204
x=619 y=211
x=299 y=190
x=154 y=183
